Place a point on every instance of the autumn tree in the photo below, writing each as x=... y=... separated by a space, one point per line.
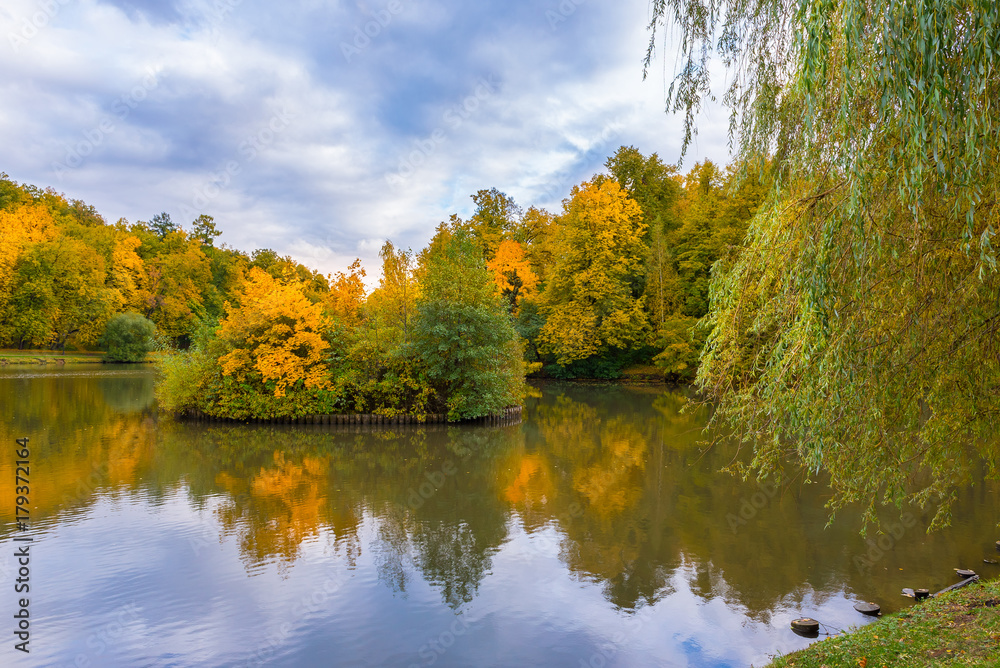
x=21 y=225
x=536 y=237
x=512 y=273
x=653 y=185
x=463 y=335
x=59 y=294
x=347 y=295
x=392 y=305
x=128 y=275
x=177 y=277
x=857 y=330
x=274 y=334
x=313 y=282
x=497 y=217
x=591 y=301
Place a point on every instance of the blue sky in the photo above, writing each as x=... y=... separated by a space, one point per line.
x=321 y=128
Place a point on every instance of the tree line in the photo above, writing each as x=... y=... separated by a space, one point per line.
x=619 y=278
x=65 y=272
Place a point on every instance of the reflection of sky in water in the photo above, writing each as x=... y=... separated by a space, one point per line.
x=162 y=586
x=596 y=533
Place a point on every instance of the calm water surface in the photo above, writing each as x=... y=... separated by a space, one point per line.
x=596 y=533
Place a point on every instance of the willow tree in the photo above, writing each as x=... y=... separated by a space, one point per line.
x=857 y=329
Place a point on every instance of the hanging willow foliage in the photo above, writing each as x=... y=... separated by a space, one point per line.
x=858 y=329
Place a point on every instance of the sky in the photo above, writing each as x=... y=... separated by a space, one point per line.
x=321 y=128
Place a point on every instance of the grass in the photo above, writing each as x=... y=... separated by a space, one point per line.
x=961 y=628
x=49 y=357
x=643 y=372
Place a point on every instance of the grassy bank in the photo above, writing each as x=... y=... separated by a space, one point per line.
x=49 y=357
x=961 y=628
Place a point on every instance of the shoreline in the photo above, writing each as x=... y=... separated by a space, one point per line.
x=961 y=626
x=63 y=358
x=44 y=358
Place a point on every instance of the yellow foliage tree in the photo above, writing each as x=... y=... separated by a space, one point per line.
x=22 y=226
x=347 y=294
x=274 y=331
x=592 y=300
x=177 y=276
x=128 y=275
x=392 y=306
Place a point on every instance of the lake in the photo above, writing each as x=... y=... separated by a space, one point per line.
x=598 y=532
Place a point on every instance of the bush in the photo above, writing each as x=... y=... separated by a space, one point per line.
x=463 y=336
x=128 y=337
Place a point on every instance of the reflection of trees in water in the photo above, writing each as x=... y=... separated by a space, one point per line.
x=455 y=556
x=280 y=508
x=80 y=445
x=649 y=498
x=599 y=454
x=392 y=550
x=430 y=490
x=128 y=394
x=620 y=472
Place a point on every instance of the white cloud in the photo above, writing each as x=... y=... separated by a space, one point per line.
x=412 y=103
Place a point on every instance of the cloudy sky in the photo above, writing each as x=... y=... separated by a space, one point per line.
x=319 y=128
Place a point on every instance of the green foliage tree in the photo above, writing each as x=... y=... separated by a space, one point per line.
x=128 y=337
x=161 y=225
x=857 y=331
x=653 y=185
x=497 y=217
x=203 y=228
x=462 y=333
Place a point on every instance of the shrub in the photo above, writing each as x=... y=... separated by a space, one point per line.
x=128 y=337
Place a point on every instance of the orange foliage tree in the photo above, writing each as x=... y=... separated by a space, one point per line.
x=512 y=273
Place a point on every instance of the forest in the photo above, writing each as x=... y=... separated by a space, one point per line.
x=616 y=281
